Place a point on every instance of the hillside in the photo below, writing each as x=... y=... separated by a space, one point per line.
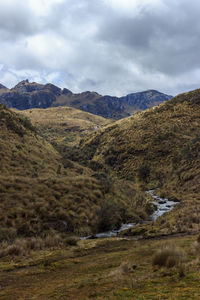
x=44 y=192
x=26 y=95
x=50 y=193
x=158 y=148
x=63 y=124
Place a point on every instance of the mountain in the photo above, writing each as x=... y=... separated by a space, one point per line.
x=158 y=148
x=3 y=89
x=26 y=95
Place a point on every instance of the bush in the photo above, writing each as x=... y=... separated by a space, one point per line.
x=27 y=123
x=105 y=180
x=168 y=257
x=144 y=172
x=110 y=216
x=71 y=241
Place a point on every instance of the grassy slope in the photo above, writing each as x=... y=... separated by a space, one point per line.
x=108 y=269
x=103 y=269
x=64 y=124
x=41 y=191
x=158 y=148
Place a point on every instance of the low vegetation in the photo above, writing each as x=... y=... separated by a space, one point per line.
x=52 y=193
x=102 y=269
x=64 y=125
x=159 y=149
x=47 y=189
x=168 y=256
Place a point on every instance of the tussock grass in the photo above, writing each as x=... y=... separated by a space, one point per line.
x=23 y=247
x=42 y=189
x=64 y=125
x=168 y=256
x=158 y=148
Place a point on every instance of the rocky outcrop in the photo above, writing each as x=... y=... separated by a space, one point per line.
x=41 y=99
x=27 y=95
x=144 y=100
x=107 y=106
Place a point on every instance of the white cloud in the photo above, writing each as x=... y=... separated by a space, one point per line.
x=111 y=46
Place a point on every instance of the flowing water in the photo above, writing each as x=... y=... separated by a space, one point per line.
x=163 y=205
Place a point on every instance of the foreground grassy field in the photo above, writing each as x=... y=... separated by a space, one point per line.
x=102 y=269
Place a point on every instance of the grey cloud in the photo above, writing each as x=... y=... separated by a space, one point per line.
x=90 y=45
x=17 y=20
x=167 y=42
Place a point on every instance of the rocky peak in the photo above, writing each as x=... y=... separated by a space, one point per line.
x=145 y=99
x=33 y=95
x=53 y=89
x=27 y=87
x=67 y=92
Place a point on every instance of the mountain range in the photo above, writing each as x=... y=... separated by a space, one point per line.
x=26 y=95
x=65 y=173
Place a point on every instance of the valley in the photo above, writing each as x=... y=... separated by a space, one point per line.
x=67 y=174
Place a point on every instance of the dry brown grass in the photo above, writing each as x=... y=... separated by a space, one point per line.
x=168 y=256
x=23 y=246
x=41 y=189
x=158 y=148
x=64 y=124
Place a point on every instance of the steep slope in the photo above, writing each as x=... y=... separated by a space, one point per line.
x=64 y=124
x=3 y=89
x=26 y=95
x=43 y=192
x=158 y=148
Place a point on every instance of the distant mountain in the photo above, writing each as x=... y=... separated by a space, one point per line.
x=3 y=89
x=2 y=86
x=26 y=95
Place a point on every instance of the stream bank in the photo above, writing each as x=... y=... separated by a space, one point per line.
x=163 y=205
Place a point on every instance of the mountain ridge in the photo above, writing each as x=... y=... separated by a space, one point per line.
x=157 y=148
x=26 y=95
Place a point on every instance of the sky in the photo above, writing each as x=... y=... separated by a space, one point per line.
x=113 y=47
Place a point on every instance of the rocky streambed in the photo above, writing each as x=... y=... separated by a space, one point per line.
x=162 y=205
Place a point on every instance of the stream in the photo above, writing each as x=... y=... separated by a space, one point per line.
x=163 y=205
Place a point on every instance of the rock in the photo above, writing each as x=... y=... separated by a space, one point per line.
x=134 y=266
x=162 y=201
x=92 y=237
x=27 y=95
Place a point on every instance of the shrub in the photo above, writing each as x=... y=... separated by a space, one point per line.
x=72 y=241
x=168 y=256
x=105 y=180
x=52 y=240
x=109 y=216
x=144 y=172
x=27 y=123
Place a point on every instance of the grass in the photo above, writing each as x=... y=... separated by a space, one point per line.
x=49 y=193
x=42 y=189
x=103 y=269
x=169 y=256
x=158 y=148
x=63 y=124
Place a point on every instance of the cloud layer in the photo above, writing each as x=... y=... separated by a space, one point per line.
x=110 y=46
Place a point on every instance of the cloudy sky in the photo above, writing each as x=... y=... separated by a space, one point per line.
x=110 y=46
